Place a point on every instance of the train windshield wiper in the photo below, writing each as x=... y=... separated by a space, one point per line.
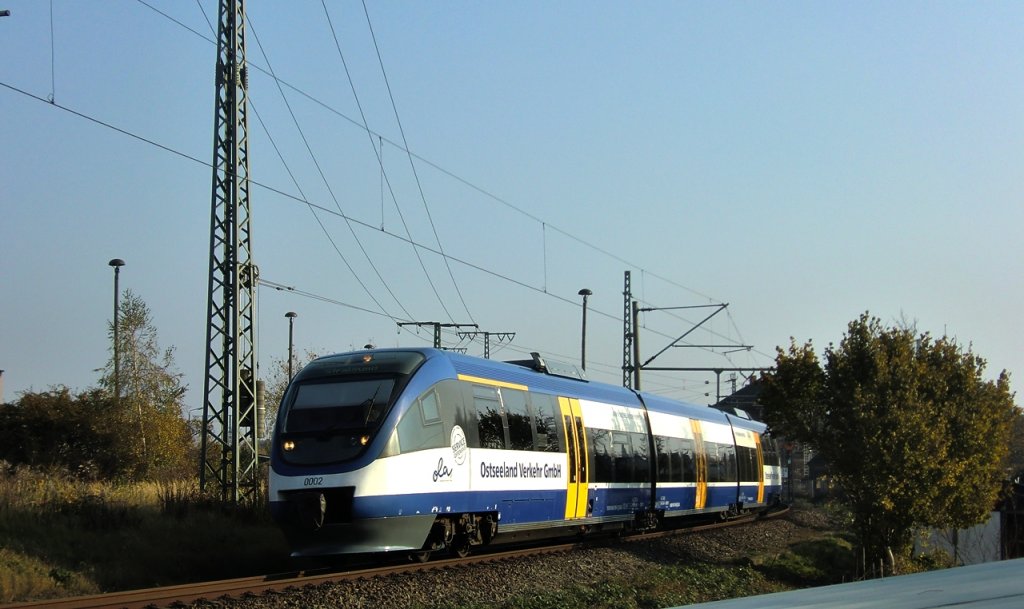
x=369 y=404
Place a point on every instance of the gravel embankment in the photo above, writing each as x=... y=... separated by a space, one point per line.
x=495 y=582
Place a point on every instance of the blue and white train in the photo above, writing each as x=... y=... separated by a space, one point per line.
x=419 y=450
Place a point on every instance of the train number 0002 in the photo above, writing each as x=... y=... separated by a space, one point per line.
x=314 y=481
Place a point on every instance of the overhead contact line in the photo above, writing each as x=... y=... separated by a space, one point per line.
x=443 y=170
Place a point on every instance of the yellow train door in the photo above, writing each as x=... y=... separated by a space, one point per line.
x=576 y=446
x=702 y=467
x=760 y=469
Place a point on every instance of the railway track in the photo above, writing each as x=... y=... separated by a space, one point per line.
x=187 y=593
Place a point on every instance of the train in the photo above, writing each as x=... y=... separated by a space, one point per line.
x=423 y=450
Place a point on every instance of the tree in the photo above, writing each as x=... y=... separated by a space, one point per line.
x=912 y=433
x=57 y=430
x=1017 y=445
x=152 y=394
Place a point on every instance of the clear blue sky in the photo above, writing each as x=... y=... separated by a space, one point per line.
x=802 y=161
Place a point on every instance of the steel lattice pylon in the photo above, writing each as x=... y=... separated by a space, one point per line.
x=229 y=450
x=627 y=334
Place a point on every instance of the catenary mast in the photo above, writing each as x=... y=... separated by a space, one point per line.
x=229 y=449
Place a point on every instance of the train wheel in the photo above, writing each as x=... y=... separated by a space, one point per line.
x=460 y=547
x=422 y=556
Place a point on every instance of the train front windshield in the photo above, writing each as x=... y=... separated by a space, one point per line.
x=337 y=404
x=346 y=405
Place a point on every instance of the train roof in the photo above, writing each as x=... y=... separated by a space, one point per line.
x=994 y=585
x=541 y=374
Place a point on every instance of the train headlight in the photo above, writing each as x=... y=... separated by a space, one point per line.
x=288 y=445
x=367 y=358
x=364 y=440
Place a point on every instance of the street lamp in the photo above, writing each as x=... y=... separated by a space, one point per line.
x=291 y=315
x=583 y=347
x=117 y=263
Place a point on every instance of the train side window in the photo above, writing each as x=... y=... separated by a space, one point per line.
x=746 y=460
x=719 y=466
x=641 y=457
x=670 y=455
x=428 y=407
x=461 y=399
x=663 y=447
x=688 y=460
x=545 y=421
x=488 y=416
x=727 y=463
x=675 y=458
x=622 y=455
x=714 y=467
x=420 y=427
x=600 y=452
x=517 y=413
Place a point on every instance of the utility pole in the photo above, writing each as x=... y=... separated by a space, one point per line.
x=117 y=263
x=585 y=293
x=228 y=457
x=291 y=315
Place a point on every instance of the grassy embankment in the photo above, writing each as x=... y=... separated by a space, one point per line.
x=60 y=537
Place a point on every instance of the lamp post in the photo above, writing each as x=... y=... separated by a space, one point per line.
x=117 y=263
x=583 y=343
x=291 y=315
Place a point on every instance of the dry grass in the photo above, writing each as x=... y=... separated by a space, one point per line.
x=60 y=536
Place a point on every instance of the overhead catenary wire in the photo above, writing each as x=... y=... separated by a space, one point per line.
x=298 y=187
x=287 y=195
x=440 y=251
x=280 y=287
x=412 y=164
x=337 y=204
x=465 y=182
x=300 y=200
x=378 y=153
x=323 y=228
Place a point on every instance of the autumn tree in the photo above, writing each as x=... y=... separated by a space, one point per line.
x=913 y=434
x=151 y=398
